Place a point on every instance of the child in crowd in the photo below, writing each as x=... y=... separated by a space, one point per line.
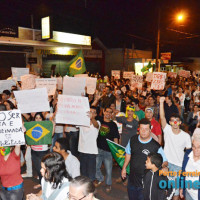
x=151 y=180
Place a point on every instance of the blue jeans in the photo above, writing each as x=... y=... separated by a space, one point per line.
x=55 y=137
x=174 y=168
x=135 y=193
x=88 y=165
x=12 y=195
x=106 y=158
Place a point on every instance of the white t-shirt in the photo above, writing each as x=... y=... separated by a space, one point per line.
x=196 y=94
x=181 y=98
x=63 y=195
x=175 y=145
x=72 y=165
x=192 y=166
x=88 y=139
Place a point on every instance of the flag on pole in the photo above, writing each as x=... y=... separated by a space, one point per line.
x=77 y=65
x=118 y=153
x=38 y=133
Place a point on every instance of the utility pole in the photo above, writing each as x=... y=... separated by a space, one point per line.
x=158 y=43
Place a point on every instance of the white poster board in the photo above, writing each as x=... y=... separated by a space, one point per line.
x=48 y=83
x=35 y=100
x=81 y=75
x=73 y=110
x=172 y=74
x=59 y=83
x=116 y=74
x=128 y=75
x=11 y=132
x=74 y=86
x=149 y=77
x=158 y=82
x=136 y=82
x=91 y=84
x=184 y=73
x=17 y=72
x=6 y=85
x=28 y=82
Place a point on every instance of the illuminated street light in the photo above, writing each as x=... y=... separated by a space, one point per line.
x=180 y=17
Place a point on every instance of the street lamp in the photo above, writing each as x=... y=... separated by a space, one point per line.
x=179 y=18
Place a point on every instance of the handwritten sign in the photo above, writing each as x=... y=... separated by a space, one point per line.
x=11 y=132
x=136 y=82
x=74 y=86
x=17 y=72
x=48 y=83
x=184 y=73
x=6 y=85
x=149 y=77
x=128 y=75
x=35 y=100
x=28 y=81
x=172 y=74
x=116 y=74
x=81 y=75
x=158 y=82
x=59 y=83
x=91 y=84
x=73 y=110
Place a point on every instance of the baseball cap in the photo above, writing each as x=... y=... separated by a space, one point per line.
x=149 y=108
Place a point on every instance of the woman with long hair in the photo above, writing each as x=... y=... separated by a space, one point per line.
x=55 y=178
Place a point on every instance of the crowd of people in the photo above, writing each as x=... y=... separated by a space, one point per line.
x=160 y=130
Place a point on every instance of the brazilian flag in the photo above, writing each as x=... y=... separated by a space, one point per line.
x=118 y=153
x=77 y=65
x=38 y=133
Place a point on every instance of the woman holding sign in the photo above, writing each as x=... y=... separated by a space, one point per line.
x=10 y=174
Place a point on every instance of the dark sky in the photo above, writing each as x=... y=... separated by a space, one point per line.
x=117 y=23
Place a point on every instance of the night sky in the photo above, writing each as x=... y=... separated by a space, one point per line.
x=117 y=23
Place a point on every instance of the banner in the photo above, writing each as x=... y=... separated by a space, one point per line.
x=74 y=86
x=35 y=100
x=118 y=153
x=38 y=133
x=91 y=84
x=11 y=132
x=28 y=81
x=59 y=83
x=128 y=75
x=172 y=74
x=136 y=82
x=48 y=83
x=17 y=72
x=73 y=110
x=116 y=74
x=77 y=65
x=6 y=85
x=166 y=56
x=149 y=77
x=158 y=82
x=184 y=73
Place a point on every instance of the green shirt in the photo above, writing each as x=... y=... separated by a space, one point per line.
x=140 y=114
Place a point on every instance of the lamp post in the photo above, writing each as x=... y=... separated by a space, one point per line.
x=179 y=18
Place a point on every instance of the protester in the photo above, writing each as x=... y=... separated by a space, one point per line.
x=55 y=181
x=72 y=163
x=137 y=151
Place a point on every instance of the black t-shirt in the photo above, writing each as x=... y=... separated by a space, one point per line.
x=108 y=130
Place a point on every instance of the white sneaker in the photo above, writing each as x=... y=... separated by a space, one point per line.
x=26 y=175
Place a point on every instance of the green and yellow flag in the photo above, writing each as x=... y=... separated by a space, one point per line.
x=77 y=65
x=38 y=133
x=118 y=153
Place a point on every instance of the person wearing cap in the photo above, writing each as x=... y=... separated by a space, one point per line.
x=155 y=126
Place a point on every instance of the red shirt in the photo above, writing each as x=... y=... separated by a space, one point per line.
x=10 y=170
x=155 y=127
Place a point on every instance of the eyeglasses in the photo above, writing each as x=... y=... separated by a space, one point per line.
x=70 y=197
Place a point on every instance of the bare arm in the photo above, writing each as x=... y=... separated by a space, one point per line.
x=162 y=113
x=159 y=139
x=126 y=162
x=95 y=123
x=17 y=150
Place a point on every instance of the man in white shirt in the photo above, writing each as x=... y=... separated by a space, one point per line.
x=71 y=162
x=176 y=141
x=87 y=146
